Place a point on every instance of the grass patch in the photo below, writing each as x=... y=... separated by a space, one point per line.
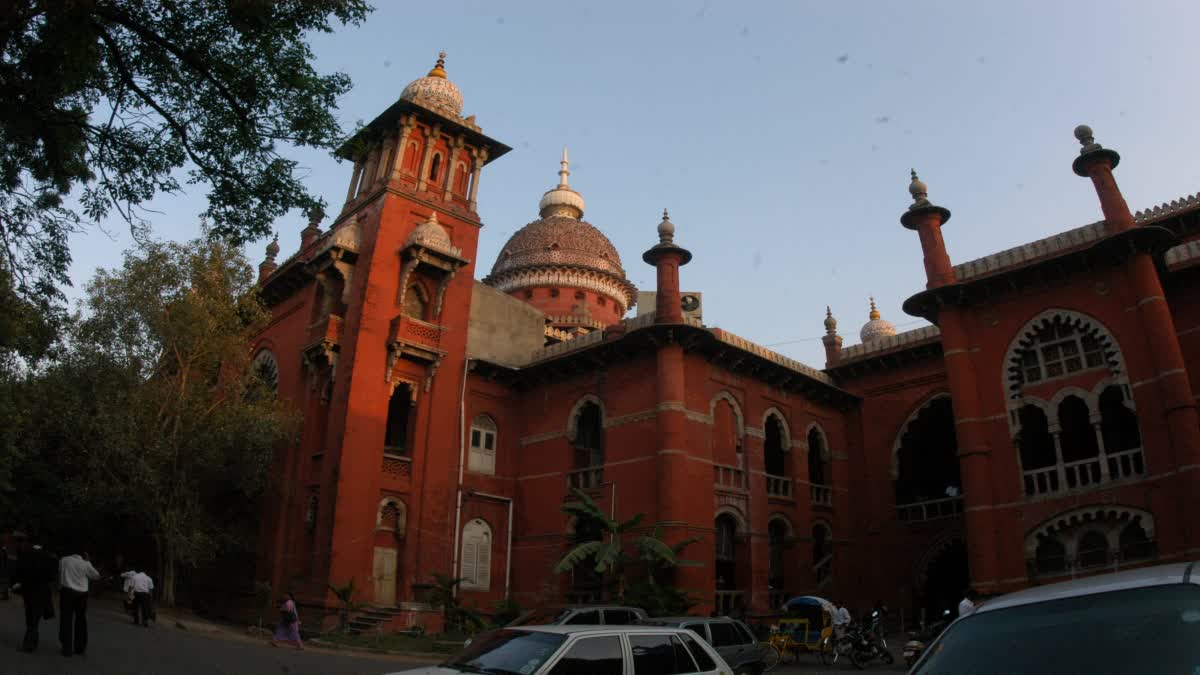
x=447 y=644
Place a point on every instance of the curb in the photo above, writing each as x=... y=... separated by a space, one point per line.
x=333 y=646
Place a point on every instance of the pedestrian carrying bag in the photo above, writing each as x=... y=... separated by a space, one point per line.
x=289 y=616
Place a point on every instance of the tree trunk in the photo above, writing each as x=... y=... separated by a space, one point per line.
x=168 y=575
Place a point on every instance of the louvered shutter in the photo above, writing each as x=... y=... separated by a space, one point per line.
x=469 y=548
x=483 y=562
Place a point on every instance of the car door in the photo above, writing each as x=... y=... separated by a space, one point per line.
x=700 y=628
x=667 y=654
x=728 y=642
x=591 y=655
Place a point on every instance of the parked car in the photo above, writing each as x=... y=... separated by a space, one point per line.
x=1144 y=620
x=594 y=650
x=580 y=615
x=732 y=639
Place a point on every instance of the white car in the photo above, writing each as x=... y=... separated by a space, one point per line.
x=1144 y=620
x=594 y=650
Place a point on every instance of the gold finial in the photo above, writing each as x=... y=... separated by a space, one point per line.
x=440 y=69
x=874 y=316
x=830 y=322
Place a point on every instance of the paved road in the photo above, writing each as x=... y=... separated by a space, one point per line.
x=117 y=647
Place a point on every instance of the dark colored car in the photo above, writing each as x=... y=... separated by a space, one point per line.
x=732 y=639
x=581 y=615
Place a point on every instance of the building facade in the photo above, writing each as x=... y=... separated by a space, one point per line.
x=1044 y=426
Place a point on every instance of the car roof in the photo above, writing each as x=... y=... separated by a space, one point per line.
x=1158 y=575
x=684 y=619
x=544 y=607
x=573 y=629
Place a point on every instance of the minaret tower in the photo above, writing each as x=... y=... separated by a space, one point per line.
x=831 y=340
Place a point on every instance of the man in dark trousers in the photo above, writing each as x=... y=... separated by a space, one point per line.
x=34 y=573
x=74 y=575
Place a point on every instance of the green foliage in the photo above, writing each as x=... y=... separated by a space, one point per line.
x=608 y=554
x=507 y=611
x=458 y=618
x=151 y=419
x=113 y=98
x=658 y=599
x=346 y=603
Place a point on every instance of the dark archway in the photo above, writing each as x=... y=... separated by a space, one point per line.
x=945 y=578
x=726 y=558
x=927 y=459
x=774 y=460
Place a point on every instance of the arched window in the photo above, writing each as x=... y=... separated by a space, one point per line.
x=818 y=453
x=1060 y=348
x=460 y=178
x=434 y=167
x=1078 y=438
x=1092 y=550
x=1122 y=439
x=927 y=458
x=392 y=516
x=589 y=437
x=475 y=567
x=726 y=558
x=482 y=457
x=411 y=157
x=1135 y=543
x=725 y=443
x=1038 y=456
x=266 y=370
x=777 y=532
x=396 y=436
x=1051 y=556
x=416 y=302
x=774 y=459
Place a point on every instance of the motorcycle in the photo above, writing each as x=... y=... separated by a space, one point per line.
x=919 y=640
x=861 y=644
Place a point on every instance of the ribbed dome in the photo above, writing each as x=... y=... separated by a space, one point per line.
x=559 y=241
x=876 y=327
x=436 y=92
x=432 y=235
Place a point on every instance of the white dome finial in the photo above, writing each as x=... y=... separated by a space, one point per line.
x=563 y=171
x=562 y=200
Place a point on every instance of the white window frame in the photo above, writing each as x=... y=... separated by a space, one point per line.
x=475 y=563
x=480 y=457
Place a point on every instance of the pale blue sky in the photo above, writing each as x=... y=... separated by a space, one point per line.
x=780 y=135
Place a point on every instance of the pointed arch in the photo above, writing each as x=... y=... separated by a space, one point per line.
x=904 y=427
x=783 y=423
x=392 y=515
x=724 y=395
x=475 y=566
x=1022 y=359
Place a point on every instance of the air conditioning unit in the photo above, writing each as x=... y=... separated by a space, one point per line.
x=691 y=303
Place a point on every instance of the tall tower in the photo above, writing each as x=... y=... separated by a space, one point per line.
x=382 y=336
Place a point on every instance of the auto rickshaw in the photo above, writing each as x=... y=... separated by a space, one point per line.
x=808 y=620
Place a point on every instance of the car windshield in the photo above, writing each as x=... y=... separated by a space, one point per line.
x=542 y=617
x=507 y=651
x=1144 y=630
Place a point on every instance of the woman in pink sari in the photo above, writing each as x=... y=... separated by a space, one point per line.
x=287 y=630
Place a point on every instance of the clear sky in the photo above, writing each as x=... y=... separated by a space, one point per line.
x=780 y=135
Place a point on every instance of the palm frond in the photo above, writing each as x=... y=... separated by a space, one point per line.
x=678 y=548
x=655 y=550
x=609 y=557
x=631 y=523
x=577 y=555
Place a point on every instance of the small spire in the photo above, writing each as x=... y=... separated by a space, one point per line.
x=432 y=218
x=830 y=322
x=439 y=70
x=874 y=315
x=918 y=190
x=273 y=249
x=315 y=216
x=666 y=230
x=563 y=171
x=1083 y=133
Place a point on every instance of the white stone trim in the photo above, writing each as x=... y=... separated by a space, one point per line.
x=577 y=409
x=1109 y=519
x=786 y=441
x=890 y=342
x=1024 y=339
x=598 y=282
x=724 y=395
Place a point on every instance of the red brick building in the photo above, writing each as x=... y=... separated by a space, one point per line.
x=1045 y=425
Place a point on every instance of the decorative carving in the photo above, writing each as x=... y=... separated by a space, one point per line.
x=1026 y=339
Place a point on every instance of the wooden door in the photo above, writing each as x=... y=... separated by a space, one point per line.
x=385 y=576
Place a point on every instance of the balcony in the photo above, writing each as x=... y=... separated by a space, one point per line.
x=328 y=329
x=822 y=495
x=396 y=465
x=415 y=339
x=779 y=486
x=726 y=603
x=933 y=509
x=729 y=477
x=1084 y=473
x=585 y=479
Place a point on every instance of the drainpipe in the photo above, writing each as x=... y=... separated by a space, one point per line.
x=508 y=548
x=462 y=452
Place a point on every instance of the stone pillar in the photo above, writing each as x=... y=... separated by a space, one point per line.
x=451 y=161
x=352 y=191
x=667 y=258
x=1170 y=376
x=368 y=177
x=407 y=124
x=831 y=340
x=480 y=155
x=938 y=270
x=386 y=159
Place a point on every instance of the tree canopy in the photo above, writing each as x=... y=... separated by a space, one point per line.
x=108 y=100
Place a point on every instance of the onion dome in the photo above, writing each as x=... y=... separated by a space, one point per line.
x=273 y=249
x=431 y=235
x=876 y=328
x=830 y=322
x=562 y=200
x=561 y=249
x=436 y=92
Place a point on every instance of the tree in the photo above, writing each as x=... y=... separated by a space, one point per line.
x=116 y=97
x=346 y=603
x=609 y=557
x=180 y=427
x=442 y=594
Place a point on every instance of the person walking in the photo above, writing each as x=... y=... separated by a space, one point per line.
x=968 y=603
x=74 y=574
x=32 y=577
x=142 y=587
x=287 y=630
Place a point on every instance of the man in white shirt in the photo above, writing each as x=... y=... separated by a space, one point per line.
x=142 y=588
x=74 y=573
x=841 y=621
